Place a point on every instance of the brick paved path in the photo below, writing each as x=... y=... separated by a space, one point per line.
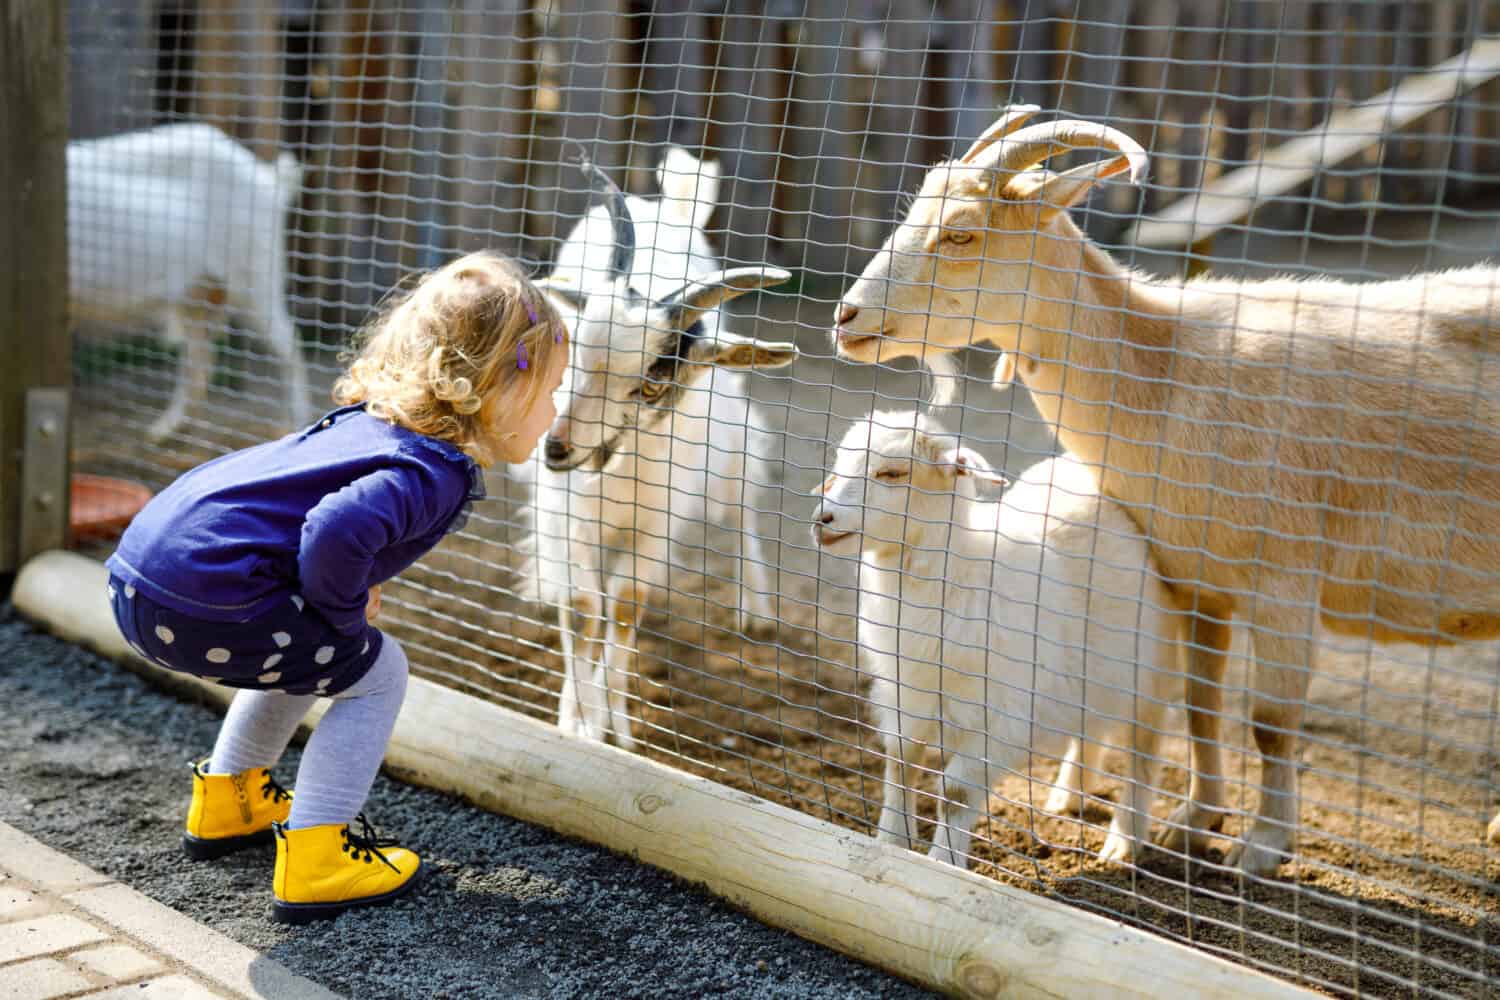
x=68 y=931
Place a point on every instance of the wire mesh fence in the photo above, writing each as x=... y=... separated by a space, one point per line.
x=729 y=565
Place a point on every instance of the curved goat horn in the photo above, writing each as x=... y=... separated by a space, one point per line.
x=1015 y=116
x=619 y=217
x=1035 y=143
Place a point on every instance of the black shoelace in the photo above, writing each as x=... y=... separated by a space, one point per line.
x=272 y=790
x=367 y=843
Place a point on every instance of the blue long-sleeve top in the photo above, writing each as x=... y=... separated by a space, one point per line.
x=326 y=513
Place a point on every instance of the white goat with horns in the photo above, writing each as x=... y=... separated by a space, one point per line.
x=1298 y=452
x=650 y=437
x=168 y=225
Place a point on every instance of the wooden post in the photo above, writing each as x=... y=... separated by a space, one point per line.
x=593 y=96
x=33 y=239
x=894 y=154
x=823 y=145
x=675 y=76
x=748 y=107
x=494 y=121
x=264 y=62
x=216 y=97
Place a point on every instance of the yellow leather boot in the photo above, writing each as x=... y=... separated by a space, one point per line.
x=321 y=871
x=231 y=812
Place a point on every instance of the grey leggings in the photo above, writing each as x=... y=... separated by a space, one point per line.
x=345 y=751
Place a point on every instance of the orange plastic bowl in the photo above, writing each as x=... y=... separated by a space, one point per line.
x=102 y=506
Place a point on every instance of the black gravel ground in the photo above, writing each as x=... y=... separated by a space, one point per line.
x=93 y=761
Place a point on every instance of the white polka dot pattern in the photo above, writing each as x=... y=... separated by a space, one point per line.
x=130 y=590
x=165 y=634
x=271 y=661
x=217 y=655
x=281 y=639
x=269 y=677
x=323 y=655
x=297 y=601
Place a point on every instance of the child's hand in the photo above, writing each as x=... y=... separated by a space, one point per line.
x=372 y=607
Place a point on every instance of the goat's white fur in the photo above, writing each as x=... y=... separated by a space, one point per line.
x=167 y=222
x=1289 y=447
x=995 y=630
x=641 y=478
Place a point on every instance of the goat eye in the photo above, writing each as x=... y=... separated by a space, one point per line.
x=957 y=237
x=652 y=390
x=890 y=474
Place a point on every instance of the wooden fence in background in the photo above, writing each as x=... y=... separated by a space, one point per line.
x=435 y=125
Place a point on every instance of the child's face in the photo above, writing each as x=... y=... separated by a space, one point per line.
x=518 y=430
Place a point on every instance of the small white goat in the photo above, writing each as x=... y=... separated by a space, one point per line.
x=169 y=223
x=651 y=434
x=1297 y=452
x=994 y=630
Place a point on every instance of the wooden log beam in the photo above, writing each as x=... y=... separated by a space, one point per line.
x=1346 y=133
x=940 y=926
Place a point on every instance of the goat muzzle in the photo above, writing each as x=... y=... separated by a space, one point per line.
x=556 y=452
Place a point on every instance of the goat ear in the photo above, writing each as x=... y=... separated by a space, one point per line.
x=1062 y=191
x=686 y=305
x=562 y=288
x=965 y=462
x=689 y=187
x=731 y=351
x=1005 y=370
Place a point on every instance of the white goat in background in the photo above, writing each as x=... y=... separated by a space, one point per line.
x=1297 y=451
x=995 y=630
x=650 y=441
x=170 y=223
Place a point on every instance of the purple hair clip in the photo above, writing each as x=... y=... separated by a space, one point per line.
x=521 y=356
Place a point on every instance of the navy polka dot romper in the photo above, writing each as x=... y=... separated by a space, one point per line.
x=253 y=570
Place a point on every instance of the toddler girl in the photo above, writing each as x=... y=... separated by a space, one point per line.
x=261 y=570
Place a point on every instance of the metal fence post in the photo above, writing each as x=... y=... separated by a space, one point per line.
x=34 y=338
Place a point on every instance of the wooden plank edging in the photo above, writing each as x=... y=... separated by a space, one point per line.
x=935 y=924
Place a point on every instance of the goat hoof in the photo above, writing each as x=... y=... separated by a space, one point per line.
x=581 y=729
x=946 y=856
x=1188 y=830
x=1063 y=802
x=1117 y=850
x=1263 y=853
x=1260 y=858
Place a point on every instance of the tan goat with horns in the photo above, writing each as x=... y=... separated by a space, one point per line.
x=1297 y=451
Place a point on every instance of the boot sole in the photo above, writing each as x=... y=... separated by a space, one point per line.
x=206 y=849
x=306 y=913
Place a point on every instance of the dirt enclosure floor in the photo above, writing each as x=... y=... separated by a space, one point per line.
x=1393 y=892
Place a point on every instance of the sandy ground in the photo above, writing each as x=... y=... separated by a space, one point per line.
x=1392 y=892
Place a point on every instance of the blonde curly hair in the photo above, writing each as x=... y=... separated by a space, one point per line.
x=435 y=353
